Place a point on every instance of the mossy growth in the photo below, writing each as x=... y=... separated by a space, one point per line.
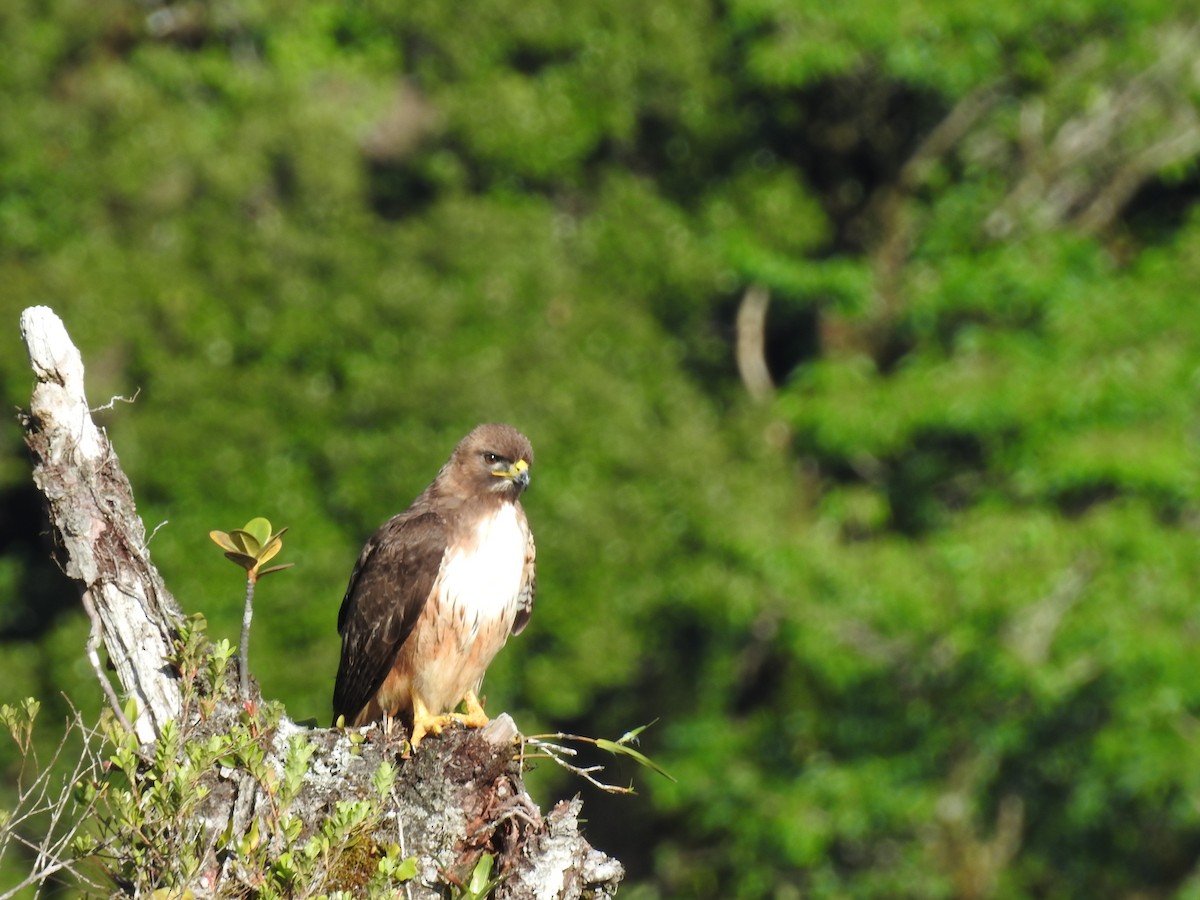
x=213 y=804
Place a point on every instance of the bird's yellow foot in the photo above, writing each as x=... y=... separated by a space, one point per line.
x=425 y=722
x=474 y=717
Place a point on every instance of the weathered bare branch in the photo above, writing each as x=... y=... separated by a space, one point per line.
x=97 y=526
x=49 y=800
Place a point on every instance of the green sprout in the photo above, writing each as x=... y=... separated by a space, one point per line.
x=249 y=547
x=546 y=748
x=481 y=883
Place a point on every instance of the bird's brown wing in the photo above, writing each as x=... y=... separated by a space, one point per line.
x=528 y=580
x=389 y=586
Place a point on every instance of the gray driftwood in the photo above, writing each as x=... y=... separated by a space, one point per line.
x=460 y=796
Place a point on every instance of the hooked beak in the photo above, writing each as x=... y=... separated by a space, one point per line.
x=520 y=473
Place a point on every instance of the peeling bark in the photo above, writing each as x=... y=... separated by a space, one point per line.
x=97 y=527
x=461 y=796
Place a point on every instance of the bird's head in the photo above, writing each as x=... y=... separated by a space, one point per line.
x=496 y=459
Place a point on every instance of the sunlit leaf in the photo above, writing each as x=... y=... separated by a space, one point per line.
x=222 y=540
x=406 y=870
x=260 y=528
x=641 y=758
x=270 y=550
x=481 y=882
x=632 y=735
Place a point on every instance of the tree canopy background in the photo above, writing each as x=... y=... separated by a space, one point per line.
x=919 y=621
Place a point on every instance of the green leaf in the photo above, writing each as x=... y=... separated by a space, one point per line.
x=481 y=882
x=259 y=528
x=292 y=826
x=270 y=550
x=246 y=542
x=248 y=844
x=131 y=710
x=222 y=540
x=246 y=562
x=406 y=871
x=631 y=736
x=621 y=749
x=384 y=778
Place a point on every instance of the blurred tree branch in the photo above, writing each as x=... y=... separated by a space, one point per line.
x=751 y=343
x=1085 y=171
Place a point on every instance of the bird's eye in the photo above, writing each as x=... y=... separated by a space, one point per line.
x=491 y=458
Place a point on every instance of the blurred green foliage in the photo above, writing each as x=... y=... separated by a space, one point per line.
x=922 y=624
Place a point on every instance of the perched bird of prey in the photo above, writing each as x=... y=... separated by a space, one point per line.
x=438 y=589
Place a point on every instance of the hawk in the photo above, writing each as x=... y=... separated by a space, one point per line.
x=438 y=589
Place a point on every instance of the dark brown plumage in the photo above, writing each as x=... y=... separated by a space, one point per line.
x=438 y=589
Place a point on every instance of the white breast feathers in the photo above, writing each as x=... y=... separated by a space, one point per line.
x=480 y=581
